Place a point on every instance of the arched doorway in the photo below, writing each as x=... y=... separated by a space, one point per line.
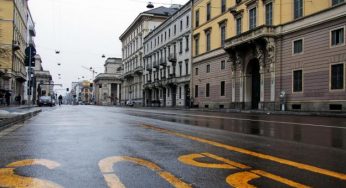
x=253 y=90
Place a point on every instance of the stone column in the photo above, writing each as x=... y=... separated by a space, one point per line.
x=260 y=57
x=270 y=47
x=118 y=93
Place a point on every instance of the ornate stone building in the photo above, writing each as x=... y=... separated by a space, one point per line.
x=248 y=53
x=108 y=84
x=132 y=51
x=167 y=60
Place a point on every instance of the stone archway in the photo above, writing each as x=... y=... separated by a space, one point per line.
x=253 y=84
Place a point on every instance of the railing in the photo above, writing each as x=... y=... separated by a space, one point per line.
x=172 y=57
x=258 y=32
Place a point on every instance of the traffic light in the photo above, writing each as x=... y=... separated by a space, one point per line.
x=30 y=53
x=67 y=89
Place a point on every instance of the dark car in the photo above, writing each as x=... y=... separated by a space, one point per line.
x=46 y=101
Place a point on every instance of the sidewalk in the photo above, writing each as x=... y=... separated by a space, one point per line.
x=297 y=113
x=10 y=115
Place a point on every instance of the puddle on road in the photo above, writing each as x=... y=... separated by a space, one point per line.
x=332 y=137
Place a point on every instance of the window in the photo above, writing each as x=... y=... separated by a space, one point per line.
x=175 y=29
x=179 y=92
x=180 y=69
x=197 y=18
x=223 y=34
x=252 y=18
x=337 y=76
x=297 y=81
x=207 y=90
x=165 y=35
x=187 y=21
x=223 y=64
x=223 y=6
x=208 y=11
x=181 y=46
x=335 y=2
x=196 y=91
x=222 y=88
x=169 y=32
x=181 y=25
x=208 y=69
x=298 y=8
x=298 y=46
x=196 y=71
x=186 y=67
x=269 y=13
x=239 y=25
x=187 y=43
x=196 y=45
x=207 y=35
x=337 y=37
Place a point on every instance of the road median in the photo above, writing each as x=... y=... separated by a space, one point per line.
x=11 y=118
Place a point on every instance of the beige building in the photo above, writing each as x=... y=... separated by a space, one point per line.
x=248 y=52
x=108 y=84
x=13 y=40
x=132 y=51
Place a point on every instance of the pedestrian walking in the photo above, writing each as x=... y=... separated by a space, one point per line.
x=60 y=100
x=7 y=97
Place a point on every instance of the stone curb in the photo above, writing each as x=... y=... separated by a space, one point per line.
x=7 y=122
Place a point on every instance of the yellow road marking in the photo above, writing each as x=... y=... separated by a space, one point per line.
x=106 y=167
x=8 y=178
x=302 y=166
x=279 y=179
x=241 y=179
x=227 y=164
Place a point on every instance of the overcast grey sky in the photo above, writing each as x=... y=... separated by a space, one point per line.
x=82 y=30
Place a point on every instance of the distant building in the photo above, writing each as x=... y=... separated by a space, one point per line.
x=108 y=84
x=42 y=81
x=167 y=61
x=132 y=51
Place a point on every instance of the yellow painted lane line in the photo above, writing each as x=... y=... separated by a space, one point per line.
x=302 y=166
x=279 y=179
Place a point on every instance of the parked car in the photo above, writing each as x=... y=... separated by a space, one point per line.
x=46 y=101
x=130 y=103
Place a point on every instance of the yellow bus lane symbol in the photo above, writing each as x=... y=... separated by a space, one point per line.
x=240 y=179
x=227 y=164
x=298 y=165
x=8 y=178
x=113 y=181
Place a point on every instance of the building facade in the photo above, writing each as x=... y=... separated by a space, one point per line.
x=132 y=51
x=13 y=40
x=167 y=61
x=108 y=84
x=43 y=84
x=248 y=53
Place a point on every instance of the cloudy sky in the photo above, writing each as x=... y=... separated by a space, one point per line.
x=82 y=30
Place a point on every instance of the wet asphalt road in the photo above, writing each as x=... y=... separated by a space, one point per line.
x=91 y=146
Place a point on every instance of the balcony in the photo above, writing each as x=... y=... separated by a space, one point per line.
x=156 y=65
x=138 y=70
x=149 y=67
x=172 y=57
x=163 y=62
x=128 y=75
x=251 y=35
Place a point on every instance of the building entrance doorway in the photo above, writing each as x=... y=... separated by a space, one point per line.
x=253 y=70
